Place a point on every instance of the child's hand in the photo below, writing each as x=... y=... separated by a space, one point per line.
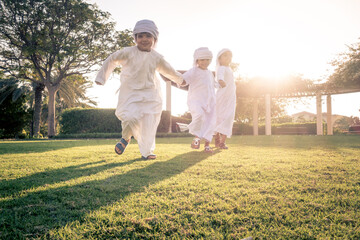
x=183 y=84
x=222 y=83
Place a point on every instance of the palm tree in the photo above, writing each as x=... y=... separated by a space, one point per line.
x=14 y=112
x=72 y=93
x=11 y=87
x=15 y=88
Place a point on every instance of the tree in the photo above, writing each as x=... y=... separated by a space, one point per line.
x=47 y=41
x=244 y=109
x=291 y=85
x=347 y=72
x=71 y=94
x=254 y=89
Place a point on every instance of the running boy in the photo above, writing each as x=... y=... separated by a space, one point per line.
x=140 y=103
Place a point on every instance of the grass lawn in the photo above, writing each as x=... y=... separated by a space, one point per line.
x=267 y=187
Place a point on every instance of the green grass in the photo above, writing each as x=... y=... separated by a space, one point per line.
x=267 y=187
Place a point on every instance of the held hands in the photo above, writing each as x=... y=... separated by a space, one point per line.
x=183 y=84
x=222 y=83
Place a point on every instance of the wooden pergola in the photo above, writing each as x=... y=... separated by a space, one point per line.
x=319 y=117
x=293 y=89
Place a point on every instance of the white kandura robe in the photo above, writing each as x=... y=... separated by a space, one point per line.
x=225 y=101
x=201 y=102
x=140 y=102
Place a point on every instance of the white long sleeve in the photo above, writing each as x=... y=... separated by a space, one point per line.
x=168 y=71
x=114 y=60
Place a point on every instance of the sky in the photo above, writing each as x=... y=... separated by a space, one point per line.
x=268 y=38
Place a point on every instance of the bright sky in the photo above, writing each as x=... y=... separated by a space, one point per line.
x=268 y=38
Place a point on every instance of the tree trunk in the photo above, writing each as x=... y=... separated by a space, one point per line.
x=51 y=110
x=39 y=88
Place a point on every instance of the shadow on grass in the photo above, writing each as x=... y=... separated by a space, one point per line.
x=16 y=186
x=35 y=214
x=38 y=146
x=298 y=141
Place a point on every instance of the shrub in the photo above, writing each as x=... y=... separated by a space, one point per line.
x=164 y=124
x=89 y=120
x=174 y=120
x=242 y=129
x=277 y=129
x=14 y=117
x=94 y=120
x=87 y=135
x=294 y=128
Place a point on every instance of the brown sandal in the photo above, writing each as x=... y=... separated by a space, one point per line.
x=208 y=149
x=195 y=143
x=150 y=157
x=223 y=146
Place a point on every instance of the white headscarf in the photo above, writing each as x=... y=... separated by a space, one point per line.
x=224 y=50
x=202 y=53
x=147 y=26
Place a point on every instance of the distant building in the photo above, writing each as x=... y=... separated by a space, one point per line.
x=303 y=117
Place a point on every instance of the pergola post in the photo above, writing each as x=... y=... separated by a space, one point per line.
x=319 y=126
x=267 y=114
x=255 y=118
x=168 y=102
x=329 y=116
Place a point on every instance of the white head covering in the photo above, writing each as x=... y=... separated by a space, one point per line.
x=147 y=26
x=202 y=53
x=224 y=50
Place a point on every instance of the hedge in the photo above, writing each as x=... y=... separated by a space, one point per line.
x=89 y=120
x=87 y=135
x=164 y=124
x=174 y=120
x=277 y=129
x=95 y=120
x=294 y=128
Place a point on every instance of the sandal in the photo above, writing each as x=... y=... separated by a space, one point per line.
x=195 y=143
x=208 y=149
x=223 y=146
x=151 y=156
x=121 y=146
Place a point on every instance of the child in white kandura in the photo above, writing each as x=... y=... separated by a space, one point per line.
x=225 y=98
x=140 y=102
x=201 y=99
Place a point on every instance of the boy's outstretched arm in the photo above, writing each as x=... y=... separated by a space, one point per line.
x=108 y=66
x=170 y=73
